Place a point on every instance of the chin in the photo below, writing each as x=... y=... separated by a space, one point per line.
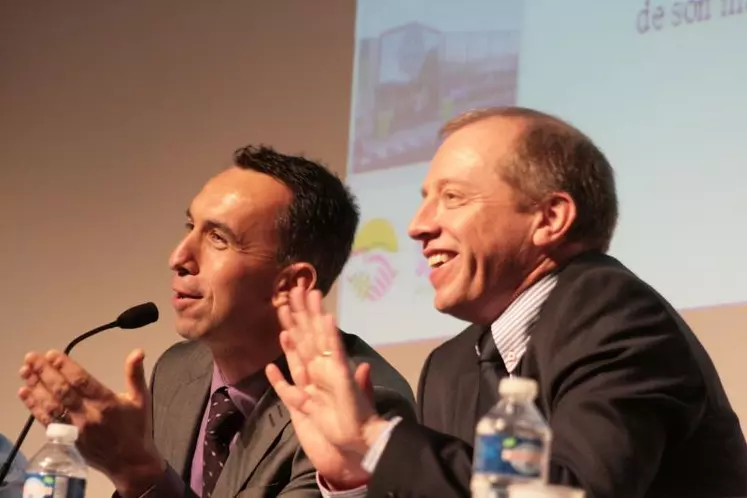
x=459 y=308
x=445 y=304
x=189 y=330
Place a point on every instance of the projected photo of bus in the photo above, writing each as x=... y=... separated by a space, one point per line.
x=412 y=78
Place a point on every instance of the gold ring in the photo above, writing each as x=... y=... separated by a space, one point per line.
x=326 y=353
x=63 y=417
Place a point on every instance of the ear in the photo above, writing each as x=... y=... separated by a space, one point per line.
x=300 y=274
x=555 y=216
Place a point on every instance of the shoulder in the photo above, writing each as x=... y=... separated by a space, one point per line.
x=598 y=277
x=183 y=359
x=390 y=387
x=602 y=310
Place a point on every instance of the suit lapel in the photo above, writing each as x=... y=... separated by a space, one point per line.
x=464 y=411
x=465 y=407
x=256 y=439
x=184 y=414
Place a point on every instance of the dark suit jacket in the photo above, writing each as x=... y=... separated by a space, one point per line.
x=267 y=460
x=634 y=402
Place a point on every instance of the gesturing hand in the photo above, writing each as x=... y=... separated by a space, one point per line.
x=330 y=406
x=115 y=429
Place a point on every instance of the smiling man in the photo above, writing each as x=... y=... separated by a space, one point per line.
x=518 y=210
x=213 y=426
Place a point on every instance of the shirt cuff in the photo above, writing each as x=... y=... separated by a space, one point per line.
x=372 y=456
x=169 y=485
x=359 y=492
x=369 y=462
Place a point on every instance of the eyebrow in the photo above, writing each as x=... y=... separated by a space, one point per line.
x=440 y=184
x=216 y=224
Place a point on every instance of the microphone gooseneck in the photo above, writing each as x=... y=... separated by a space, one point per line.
x=132 y=318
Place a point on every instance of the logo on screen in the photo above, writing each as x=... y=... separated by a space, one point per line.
x=370 y=271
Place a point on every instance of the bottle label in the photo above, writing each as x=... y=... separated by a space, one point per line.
x=53 y=486
x=508 y=455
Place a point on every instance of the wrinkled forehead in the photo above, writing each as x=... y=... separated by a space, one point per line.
x=475 y=152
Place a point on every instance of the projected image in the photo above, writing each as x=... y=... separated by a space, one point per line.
x=414 y=76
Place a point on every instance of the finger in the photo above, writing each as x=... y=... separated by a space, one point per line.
x=291 y=396
x=83 y=382
x=297 y=299
x=303 y=324
x=303 y=330
x=136 y=384
x=318 y=320
x=331 y=373
x=285 y=317
x=296 y=366
x=56 y=385
x=332 y=340
x=40 y=396
x=38 y=411
x=363 y=381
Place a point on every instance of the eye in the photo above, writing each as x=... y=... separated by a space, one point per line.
x=189 y=226
x=452 y=198
x=217 y=238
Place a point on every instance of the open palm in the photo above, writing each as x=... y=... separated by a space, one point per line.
x=328 y=403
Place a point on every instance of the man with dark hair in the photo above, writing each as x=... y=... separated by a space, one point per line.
x=211 y=425
x=322 y=215
x=517 y=213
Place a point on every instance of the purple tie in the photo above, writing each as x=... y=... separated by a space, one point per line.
x=224 y=420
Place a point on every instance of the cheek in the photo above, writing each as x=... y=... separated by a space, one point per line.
x=230 y=283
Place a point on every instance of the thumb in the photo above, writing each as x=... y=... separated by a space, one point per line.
x=362 y=378
x=137 y=386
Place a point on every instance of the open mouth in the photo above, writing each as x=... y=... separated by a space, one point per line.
x=182 y=295
x=439 y=259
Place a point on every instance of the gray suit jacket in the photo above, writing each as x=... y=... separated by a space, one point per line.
x=267 y=459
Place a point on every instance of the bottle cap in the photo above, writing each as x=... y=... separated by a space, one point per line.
x=66 y=432
x=518 y=386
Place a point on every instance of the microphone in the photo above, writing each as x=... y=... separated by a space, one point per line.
x=133 y=318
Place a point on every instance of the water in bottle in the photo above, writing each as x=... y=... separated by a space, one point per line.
x=57 y=470
x=512 y=442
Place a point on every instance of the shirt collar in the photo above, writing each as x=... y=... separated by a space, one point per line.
x=511 y=330
x=245 y=393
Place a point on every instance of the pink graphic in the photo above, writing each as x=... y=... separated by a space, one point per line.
x=421 y=267
x=383 y=276
x=375 y=277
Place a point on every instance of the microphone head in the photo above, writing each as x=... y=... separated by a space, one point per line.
x=138 y=316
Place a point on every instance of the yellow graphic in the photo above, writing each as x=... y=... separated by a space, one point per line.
x=376 y=234
x=370 y=272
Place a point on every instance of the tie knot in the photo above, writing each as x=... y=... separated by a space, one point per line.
x=224 y=418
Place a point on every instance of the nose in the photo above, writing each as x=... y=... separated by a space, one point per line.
x=183 y=259
x=424 y=225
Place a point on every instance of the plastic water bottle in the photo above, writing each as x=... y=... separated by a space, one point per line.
x=57 y=470
x=512 y=442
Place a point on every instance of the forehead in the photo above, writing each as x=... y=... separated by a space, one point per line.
x=475 y=151
x=238 y=196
